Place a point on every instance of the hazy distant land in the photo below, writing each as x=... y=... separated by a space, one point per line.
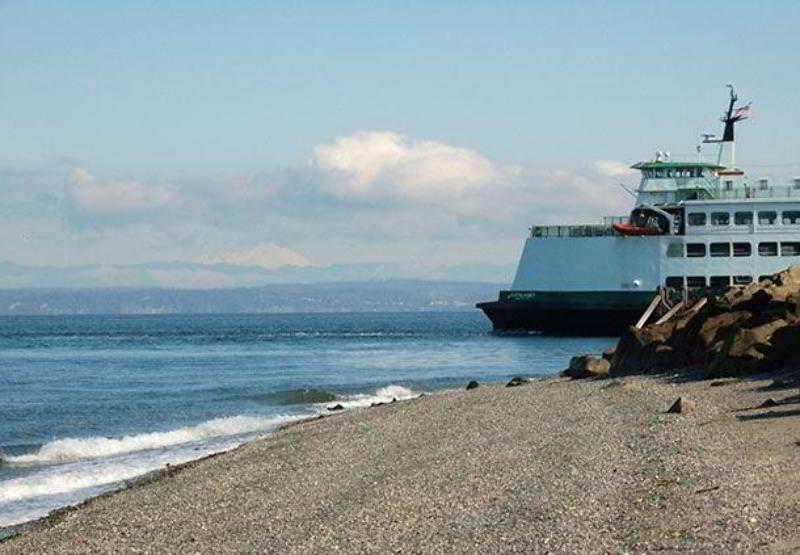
x=364 y=296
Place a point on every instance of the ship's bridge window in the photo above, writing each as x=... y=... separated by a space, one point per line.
x=742 y=249
x=674 y=282
x=768 y=249
x=767 y=217
x=720 y=249
x=790 y=248
x=729 y=185
x=675 y=250
x=765 y=278
x=719 y=282
x=790 y=217
x=695 y=281
x=742 y=280
x=696 y=218
x=695 y=250
x=720 y=218
x=743 y=218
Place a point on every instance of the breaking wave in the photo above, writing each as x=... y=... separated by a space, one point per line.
x=80 y=448
x=383 y=395
x=307 y=396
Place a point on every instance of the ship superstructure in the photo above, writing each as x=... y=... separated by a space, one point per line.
x=695 y=225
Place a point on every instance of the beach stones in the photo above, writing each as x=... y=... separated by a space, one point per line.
x=682 y=406
x=768 y=403
x=517 y=381
x=587 y=366
x=473 y=385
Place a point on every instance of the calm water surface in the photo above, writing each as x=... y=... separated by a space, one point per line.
x=87 y=402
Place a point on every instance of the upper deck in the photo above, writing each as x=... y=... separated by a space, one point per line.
x=698 y=197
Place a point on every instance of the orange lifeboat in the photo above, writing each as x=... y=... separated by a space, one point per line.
x=628 y=229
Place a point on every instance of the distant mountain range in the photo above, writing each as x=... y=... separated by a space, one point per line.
x=194 y=275
x=363 y=296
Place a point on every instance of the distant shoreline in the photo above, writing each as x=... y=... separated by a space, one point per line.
x=550 y=465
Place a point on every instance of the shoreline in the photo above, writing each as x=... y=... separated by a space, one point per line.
x=492 y=447
x=8 y=532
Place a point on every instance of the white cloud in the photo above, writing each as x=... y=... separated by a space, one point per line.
x=612 y=168
x=98 y=196
x=266 y=255
x=382 y=164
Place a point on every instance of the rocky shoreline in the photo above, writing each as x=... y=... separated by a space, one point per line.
x=740 y=332
x=686 y=440
x=546 y=465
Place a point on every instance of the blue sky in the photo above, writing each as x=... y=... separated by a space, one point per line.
x=204 y=131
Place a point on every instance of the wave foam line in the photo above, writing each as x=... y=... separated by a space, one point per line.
x=80 y=448
x=383 y=395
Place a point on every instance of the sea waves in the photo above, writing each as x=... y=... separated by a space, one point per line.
x=73 y=449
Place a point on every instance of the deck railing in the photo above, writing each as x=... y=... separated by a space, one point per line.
x=588 y=230
x=757 y=192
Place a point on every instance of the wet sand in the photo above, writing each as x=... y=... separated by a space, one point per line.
x=554 y=465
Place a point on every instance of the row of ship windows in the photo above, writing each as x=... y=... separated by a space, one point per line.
x=676 y=172
x=698 y=250
x=765 y=217
x=677 y=282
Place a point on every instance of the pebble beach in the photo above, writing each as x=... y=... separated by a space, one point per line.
x=553 y=465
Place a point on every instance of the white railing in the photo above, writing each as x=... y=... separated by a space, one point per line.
x=567 y=231
x=756 y=192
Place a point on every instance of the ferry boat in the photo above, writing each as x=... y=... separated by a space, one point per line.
x=694 y=225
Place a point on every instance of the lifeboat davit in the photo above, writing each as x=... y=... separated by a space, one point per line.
x=628 y=229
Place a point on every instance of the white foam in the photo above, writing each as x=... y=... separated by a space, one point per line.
x=79 y=448
x=383 y=395
x=97 y=466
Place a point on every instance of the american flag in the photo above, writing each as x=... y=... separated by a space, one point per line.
x=743 y=112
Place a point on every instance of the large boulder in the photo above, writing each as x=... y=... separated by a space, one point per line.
x=587 y=366
x=747 y=329
x=747 y=350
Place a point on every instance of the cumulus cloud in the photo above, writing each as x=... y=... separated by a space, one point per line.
x=612 y=168
x=107 y=196
x=363 y=197
x=265 y=255
x=383 y=164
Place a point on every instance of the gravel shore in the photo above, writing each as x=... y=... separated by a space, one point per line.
x=554 y=465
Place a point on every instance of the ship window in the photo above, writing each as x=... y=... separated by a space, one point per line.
x=675 y=282
x=763 y=184
x=796 y=183
x=790 y=217
x=742 y=280
x=719 y=282
x=675 y=250
x=697 y=218
x=720 y=218
x=720 y=249
x=742 y=249
x=729 y=185
x=743 y=218
x=765 y=278
x=768 y=249
x=790 y=248
x=767 y=217
x=695 y=281
x=696 y=250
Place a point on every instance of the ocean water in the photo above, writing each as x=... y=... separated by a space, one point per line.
x=87 y=402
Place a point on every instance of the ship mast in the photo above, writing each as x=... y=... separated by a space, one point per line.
x=726 y=155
